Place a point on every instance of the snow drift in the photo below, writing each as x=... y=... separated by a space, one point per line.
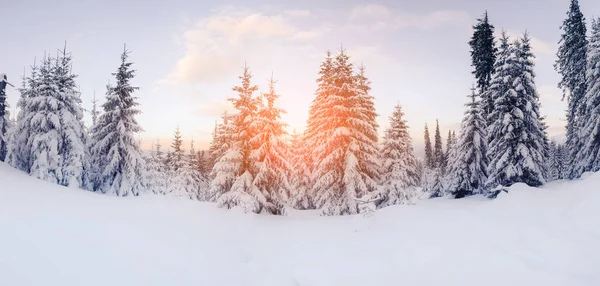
x=52 y=235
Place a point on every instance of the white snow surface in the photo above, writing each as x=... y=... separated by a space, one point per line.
x=53 y=235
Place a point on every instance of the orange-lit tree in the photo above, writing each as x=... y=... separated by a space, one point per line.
x=343 y=138
x=269 y=154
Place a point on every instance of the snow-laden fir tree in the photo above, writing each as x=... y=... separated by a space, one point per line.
x=4 y=118
x=94 y=112
x=176 y=161
x=571 y=64
x=399 y=177
x=429 y=158
x=557 y=161
x=221 y=141
x=193 y=182
x=45 y=139
x=517 y=150
x=115 y=150
x=73 y=133
x=588 y=157
x=438 y=148
x=156 y=174
x=233 y=183
x=270 y=152
x=499 y=84
x=300 y=195
x=346 y=143
x=483 y=57
x=468 y=169
x=19 y=149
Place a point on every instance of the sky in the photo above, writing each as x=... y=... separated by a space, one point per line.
x=189 y=54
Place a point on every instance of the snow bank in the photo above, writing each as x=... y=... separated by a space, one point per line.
x=52 y=235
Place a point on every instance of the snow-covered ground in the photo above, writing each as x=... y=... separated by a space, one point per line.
x=50 y=235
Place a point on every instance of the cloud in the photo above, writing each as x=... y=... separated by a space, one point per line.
x=378 y=17
x=218 y=45
x=297 y=13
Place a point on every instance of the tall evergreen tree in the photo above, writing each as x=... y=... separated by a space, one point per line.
x=19 y=149
x=346 y=156
x=571 y=64
x=399 y=176
x=438 y=149
x=499 y=84
x=4 y=118
x=234 y=179
x=468 y=170
x=156 y=175
x=269 y=152
x=517 y=150
x=193 y=182
x=115 y=151
x=557 y=161
x=588 y=157
x=45 y=126
x=72 y=134
x=301 y=196
x=95 y=112
x=429 y=158
x=176 y=163
x=483 y=57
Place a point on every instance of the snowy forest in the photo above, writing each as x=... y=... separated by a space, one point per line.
x=339 y=165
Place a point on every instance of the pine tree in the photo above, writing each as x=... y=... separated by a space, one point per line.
x=438 y=149
x=571 y=64
x=300 y=196
x=45 y=126
x=483 y=57
x=269 y=152
x=499 y=85
x=193 y=182
x=95 y=113
x=156 y=175
x=399 y=176
x=176 y=162
x=72 y=134
x=346 y=158
x=588 y=157
x=516 y=151
x=468 y=171
x=234 y=181
x=19 y=149
x=557 y=164
x=4 y=118
x=429 y=158
x=115 y=151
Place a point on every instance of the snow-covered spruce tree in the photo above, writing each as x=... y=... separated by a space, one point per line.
x=45 y=126
x=72 y=134
x=120 y=164
x=156 y=174
x=19 y=149
x=193 y=182
x=176 y=161
x=366 y=104
x=4 y=118
x=269 y=153
x=234 y=178
x=94 y=112
x=438 y=149
x=499 y=84
x=300 y=196
x=346 y=143
x=516 y=152
x=588 y=157
x=221 y=141
x=557 y=162
x=483 y=57
x=468 y=170
x=429 y=158
x=399 y=176
x=571 y=64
